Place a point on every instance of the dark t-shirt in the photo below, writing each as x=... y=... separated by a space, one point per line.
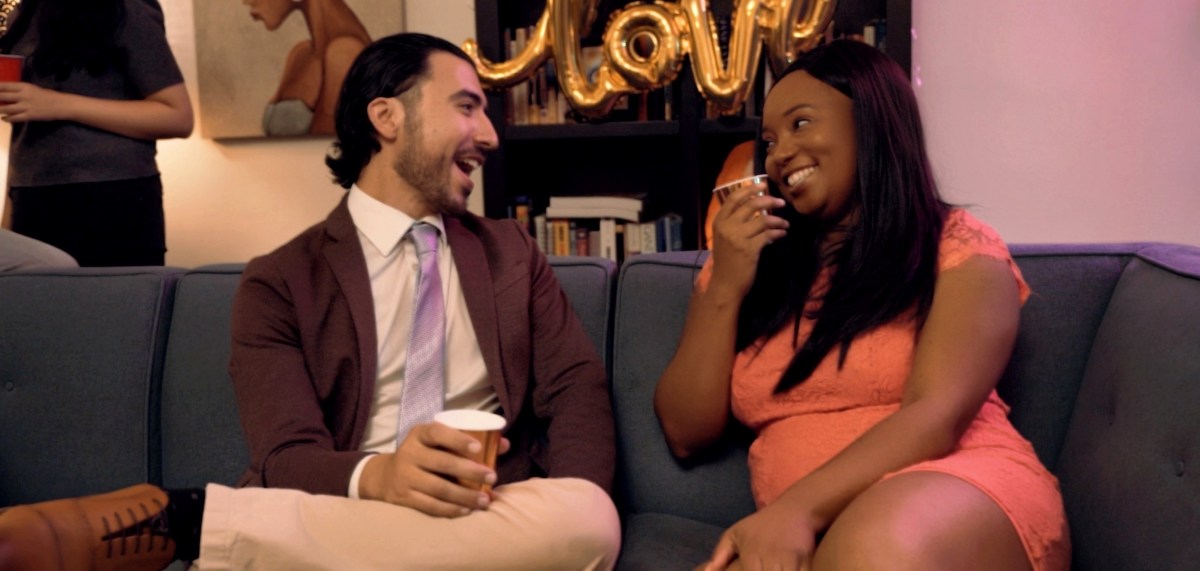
x=64 y=152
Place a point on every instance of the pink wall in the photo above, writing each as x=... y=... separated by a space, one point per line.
x=1065 y=121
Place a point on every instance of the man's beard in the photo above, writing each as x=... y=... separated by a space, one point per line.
x=425 y=172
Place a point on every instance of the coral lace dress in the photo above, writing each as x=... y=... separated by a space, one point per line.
x=800 y=430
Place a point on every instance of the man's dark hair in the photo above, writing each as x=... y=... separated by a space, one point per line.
x=887 y=264
x=389 y=67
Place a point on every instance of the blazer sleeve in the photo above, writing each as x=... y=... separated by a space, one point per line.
x=281 y=413
x=570 y=387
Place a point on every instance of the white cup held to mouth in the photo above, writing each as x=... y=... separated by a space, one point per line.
x=482 y=426
x=722 y=192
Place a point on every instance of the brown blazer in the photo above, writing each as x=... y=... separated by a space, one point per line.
x=304 y=357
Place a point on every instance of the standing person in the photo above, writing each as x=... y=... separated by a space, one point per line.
x=860 y=332
x=306 y=99
x=323 y=361
x=100 y=87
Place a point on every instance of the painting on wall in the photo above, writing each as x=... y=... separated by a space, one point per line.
x=273 y=68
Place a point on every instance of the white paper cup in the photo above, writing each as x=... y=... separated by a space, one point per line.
x=482 y=426
x=722 y=192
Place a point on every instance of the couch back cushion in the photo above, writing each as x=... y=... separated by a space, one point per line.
x=80 y=359
x=201 y=432
x=1071 y=287
x=588 y=283
x=653 y=291
x=1130 y=463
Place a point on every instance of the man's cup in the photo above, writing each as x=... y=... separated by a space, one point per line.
x=482 y=426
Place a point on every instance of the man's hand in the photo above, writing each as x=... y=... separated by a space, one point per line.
x=424 y=471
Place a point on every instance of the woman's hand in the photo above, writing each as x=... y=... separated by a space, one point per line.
x=21 y=102
x=740 y=231
x=779 y=536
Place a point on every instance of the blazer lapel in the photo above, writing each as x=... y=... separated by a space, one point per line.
x=475 y=274
x=344 y=254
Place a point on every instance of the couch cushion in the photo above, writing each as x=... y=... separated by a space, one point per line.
x=661 y=542
x=652 y=300
x=80 y=359
x=201 y=432
x=1071 y=287
x=1130 y=464
x=588 y=284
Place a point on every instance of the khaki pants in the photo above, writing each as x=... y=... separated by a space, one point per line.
x=560 y=523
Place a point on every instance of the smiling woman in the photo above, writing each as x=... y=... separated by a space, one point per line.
x=312 y=75
x=859 y=330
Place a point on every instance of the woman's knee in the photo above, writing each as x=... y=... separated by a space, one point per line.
x=921 y=521
x=871 y=537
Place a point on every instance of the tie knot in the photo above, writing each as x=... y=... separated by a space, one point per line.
x=425 y=238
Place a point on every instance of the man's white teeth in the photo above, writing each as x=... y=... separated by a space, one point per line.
x=469 y=165
x=800 y=175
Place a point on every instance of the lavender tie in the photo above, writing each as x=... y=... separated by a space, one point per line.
x=424 y=371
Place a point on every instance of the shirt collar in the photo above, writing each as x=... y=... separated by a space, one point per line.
x=383 y=225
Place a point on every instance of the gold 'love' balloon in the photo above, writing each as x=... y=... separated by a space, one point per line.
x=644 y=46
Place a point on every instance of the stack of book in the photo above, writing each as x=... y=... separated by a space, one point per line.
x=604 y=226
x=616 y=207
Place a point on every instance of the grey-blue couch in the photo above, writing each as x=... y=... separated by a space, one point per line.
x=114 y=376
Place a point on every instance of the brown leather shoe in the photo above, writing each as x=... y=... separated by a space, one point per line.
x=121 y=530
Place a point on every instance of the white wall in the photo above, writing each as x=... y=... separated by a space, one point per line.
x=1065 y=121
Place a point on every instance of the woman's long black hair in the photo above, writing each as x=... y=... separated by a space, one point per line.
x=887 y=263
x=73 y=35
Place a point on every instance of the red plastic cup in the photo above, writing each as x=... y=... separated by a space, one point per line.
x=10 y=67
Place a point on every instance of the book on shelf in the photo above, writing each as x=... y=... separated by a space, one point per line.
x=619 y=207
x=608 y=239
x=566 y=212
x=541 y=233
x=626 y=202
x=649 y=242
x=582 y=243
x=668 y=232
x=598 y=226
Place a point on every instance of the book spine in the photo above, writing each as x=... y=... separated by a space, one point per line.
x=608 y=239
x=676 y=233
x=649 y=238
x=539 y=232
x=619 y=245
x=562 y=245
x=594 y=242
x=521 y=212
x=633 y=239
x=519 y=93
x=581 y=241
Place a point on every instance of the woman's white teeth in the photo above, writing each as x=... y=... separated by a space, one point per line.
x=800 y=175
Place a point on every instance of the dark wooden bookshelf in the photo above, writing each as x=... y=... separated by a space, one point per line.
x=672 y=162
x=593 y=130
